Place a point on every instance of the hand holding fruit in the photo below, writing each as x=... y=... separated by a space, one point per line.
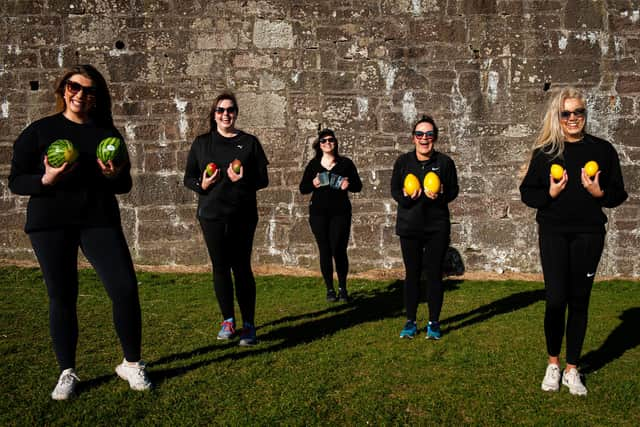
x=590 y=178
x=556 y=186
x=210 y=175
x=432 y=185
x=109 y=169
x=235 y=170
x=51 y=174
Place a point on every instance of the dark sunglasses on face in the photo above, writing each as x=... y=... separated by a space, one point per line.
x=229 y=110
x=75 y=87
x=580 y=112
x=427 y=134
x=330 y=139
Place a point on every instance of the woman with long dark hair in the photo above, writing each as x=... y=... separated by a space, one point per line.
x=330 y=177
x=74 y=206
x=569 y=198
x=226 y=167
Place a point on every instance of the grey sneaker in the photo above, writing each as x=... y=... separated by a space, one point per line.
x=572 y=380
x=228 y=329
x=135 y=374
x=551 y=381
x=66 y=385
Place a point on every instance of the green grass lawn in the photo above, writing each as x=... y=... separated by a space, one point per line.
x=319 y=363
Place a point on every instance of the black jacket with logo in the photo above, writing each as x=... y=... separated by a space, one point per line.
x=226 y=199
x=417 y=217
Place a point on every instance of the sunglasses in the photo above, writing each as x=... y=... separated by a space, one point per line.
x=330 y=139
x=75 y=87
x=427 y=134
x=229 y=110
x=580 y=112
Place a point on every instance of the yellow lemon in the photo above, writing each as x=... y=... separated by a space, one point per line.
x=557 y=171
x=432 y=182
x=411 y=184
x=590 y=168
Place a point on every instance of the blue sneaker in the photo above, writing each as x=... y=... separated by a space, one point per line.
x=248 y=335
x=433 y=331
x=228 y=329
x=410 y=330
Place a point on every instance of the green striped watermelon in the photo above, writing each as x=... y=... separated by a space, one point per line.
x=110 y=149
x=60 y=151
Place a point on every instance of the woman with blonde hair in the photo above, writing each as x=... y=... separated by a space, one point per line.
x=571 y=176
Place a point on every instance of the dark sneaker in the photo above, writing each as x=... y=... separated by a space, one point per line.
x=248 y=335
x=410 y=330
x=343 y=295
x=228 y=329
x=433 y=331
x=331 y=296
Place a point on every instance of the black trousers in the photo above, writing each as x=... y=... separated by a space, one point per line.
x=434 y=245
x=332 y=236
x=107 y=251
x=230 y=244
x=569 y=264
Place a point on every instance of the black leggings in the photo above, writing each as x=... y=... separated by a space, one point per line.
x=569 y=263
x=332 y=237
x=107 y=251
x=429 y=253
x=230 y=244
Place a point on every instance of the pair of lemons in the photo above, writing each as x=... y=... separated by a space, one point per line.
x=431 y=183
x=590 y=168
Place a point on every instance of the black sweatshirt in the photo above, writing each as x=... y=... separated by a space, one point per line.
x=574 y=210
x=225 y=199
x=326 y=200
x=423 y=215
x=83 y=196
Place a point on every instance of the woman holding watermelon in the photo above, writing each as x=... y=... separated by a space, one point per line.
x=56 y=161
x=226 y=167
x=423 y=221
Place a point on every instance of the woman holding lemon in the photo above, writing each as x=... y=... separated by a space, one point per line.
x=571 y=176
x=423 y=223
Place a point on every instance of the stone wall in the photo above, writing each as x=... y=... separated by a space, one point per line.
x=368 y=69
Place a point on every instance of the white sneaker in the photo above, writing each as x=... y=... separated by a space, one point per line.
x=572 y=380
x=551 y=381
x=66 y=385
x=134 y=373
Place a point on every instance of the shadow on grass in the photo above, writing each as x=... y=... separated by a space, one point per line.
x=316 y=326
x=624 y=337
x=504 y=305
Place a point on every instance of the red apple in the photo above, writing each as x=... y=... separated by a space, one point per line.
x=211 y=169
x=235 y=165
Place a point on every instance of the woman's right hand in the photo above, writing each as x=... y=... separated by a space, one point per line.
x=555 y=188
x=51 y=174
x=415 y=194
x=208 y=181
x=316 y=181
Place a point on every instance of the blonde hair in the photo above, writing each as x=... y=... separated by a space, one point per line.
x=551 y=138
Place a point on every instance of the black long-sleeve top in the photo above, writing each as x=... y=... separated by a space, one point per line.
x=423 y=215
x=83 y=196
x=225 y=199
x=574 y=209
x=326 y=200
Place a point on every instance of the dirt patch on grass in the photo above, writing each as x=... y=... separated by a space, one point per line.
x=376 y=274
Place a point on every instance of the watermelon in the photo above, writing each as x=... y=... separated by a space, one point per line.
x=110 y=149
x=60 y=151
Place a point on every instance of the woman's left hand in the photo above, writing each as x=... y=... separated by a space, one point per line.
x=345 y=183
x=592 y=185
x=233 y=176
x=434 y=196
x=109 y=170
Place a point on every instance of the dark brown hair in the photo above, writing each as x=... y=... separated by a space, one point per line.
x=316 y=144
x=101 y=110
x=428 y=119
x=212 y=113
